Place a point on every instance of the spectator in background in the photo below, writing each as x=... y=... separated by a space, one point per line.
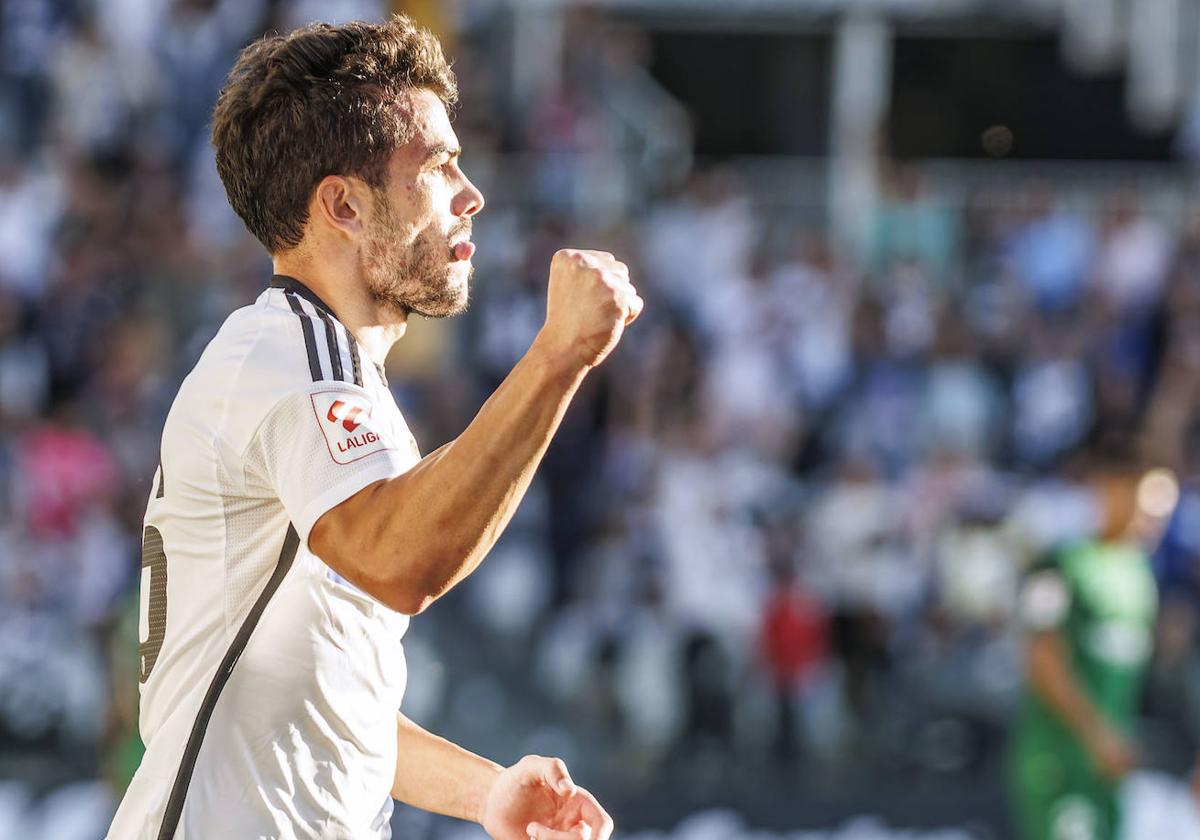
x=28 y=32
x=1051 y=395
x=963 y=408
x=1133 y=257
x=1050 y=252
x=71 y=553
x=197 y=41
x=810 y=313
x=92 y=109
x=858 y=563
x=794 y=641
x=700 y=238
x=24 y=367
x=913 y=225
x=31 y=205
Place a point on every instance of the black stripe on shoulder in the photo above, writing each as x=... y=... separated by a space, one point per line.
x=187 y=764
x=353 y=345
x=335 y=354
x=310 y=337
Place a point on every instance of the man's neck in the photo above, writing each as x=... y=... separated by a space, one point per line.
x=375 y=327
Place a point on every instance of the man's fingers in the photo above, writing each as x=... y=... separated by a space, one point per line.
x=595 y=816
x=603 y=260
x=587 y=810
x=635 y=304
x=537 y=831
x=632 y=303
x=554 y=774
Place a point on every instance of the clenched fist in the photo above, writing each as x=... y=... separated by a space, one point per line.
x=589 y=304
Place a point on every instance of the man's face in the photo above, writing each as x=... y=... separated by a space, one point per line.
x=417 y=256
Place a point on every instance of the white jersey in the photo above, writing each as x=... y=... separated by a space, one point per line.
x=269 y=685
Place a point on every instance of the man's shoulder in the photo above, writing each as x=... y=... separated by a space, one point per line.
x=259 y=351
x=263 y=354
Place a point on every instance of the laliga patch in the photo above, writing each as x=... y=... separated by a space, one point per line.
x=345 y=421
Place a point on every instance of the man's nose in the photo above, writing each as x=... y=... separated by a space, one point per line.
x=468 y=202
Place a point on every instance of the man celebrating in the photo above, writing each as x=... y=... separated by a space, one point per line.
x=293 y=528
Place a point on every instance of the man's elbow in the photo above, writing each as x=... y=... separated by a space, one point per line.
x=397 y=581
x=413 y=577
x=406 y=580
x=412 y=586
x=393 y=582
x=408 y=601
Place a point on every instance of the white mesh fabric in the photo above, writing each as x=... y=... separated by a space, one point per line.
x=252 y=526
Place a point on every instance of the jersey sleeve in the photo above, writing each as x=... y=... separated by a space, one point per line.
x=317 y=448
x=1045 y=597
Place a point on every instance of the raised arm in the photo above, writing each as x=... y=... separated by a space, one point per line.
x=409 y=539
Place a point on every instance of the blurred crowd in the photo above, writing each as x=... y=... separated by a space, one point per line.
x=783 y=527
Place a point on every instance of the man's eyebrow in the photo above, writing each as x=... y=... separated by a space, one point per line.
x=443 y=149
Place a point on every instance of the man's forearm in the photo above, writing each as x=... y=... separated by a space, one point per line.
x=409 y=539
x=462 y=496
x=436 y=775
x=1054 y=681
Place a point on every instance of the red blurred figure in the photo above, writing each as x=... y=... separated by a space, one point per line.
x=65 y=470
x=794 y=640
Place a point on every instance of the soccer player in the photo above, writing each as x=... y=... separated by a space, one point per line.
x=1090 y=610
x=293 y=528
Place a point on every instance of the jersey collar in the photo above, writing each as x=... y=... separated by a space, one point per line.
x=291 y=284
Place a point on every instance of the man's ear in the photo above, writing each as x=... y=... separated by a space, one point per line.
x=340 y=203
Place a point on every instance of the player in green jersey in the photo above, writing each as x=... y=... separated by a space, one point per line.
x=1089 y=609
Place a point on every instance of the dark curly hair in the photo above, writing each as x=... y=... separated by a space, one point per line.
x=318 y=101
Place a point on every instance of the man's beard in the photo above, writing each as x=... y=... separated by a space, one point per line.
x=417 y=278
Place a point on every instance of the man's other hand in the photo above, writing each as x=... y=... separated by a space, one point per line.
x=1114 y=755
x=535 y=798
